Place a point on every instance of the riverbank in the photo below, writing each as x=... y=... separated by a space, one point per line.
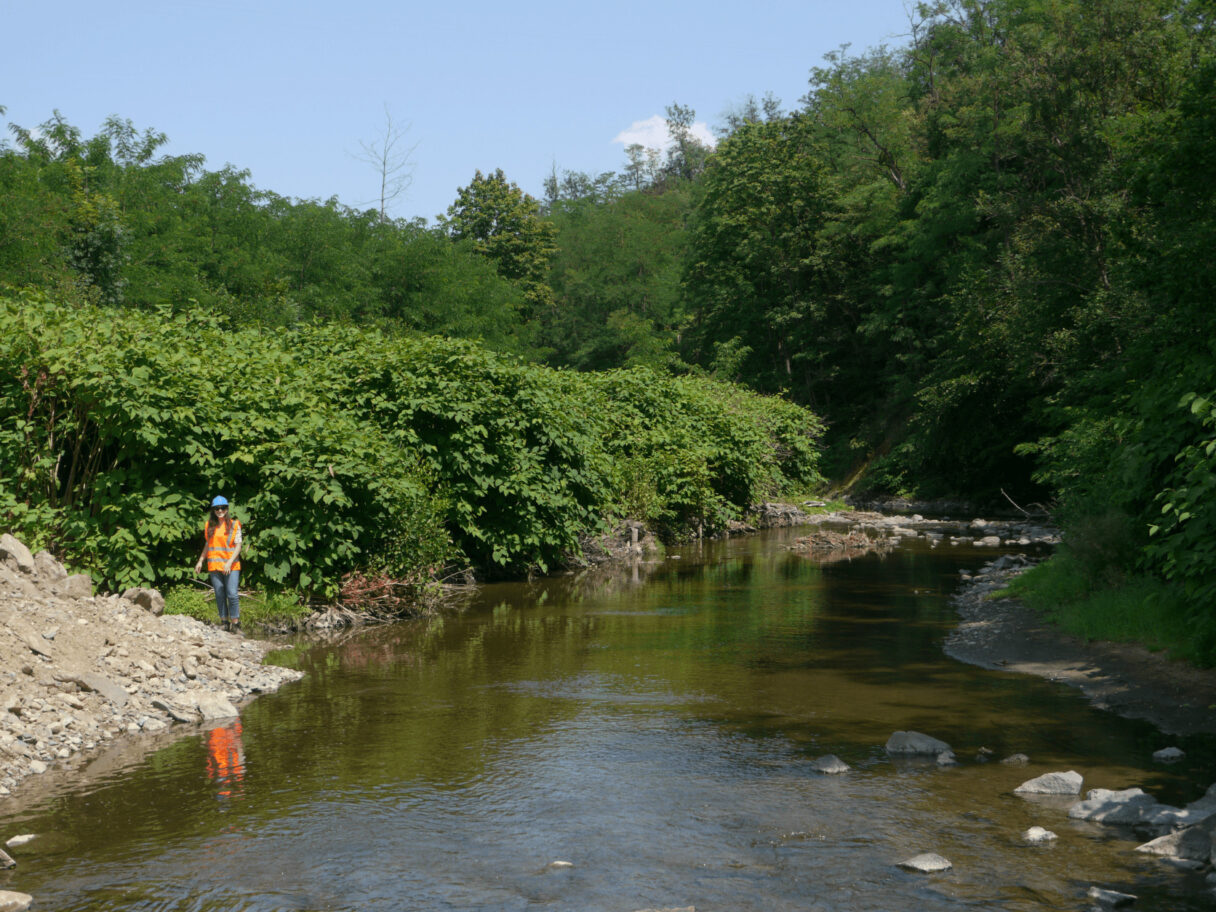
x=1124 y=678
x=1003 y=633
x=79 y=670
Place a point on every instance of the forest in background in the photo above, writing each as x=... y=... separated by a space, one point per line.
x=983 y=257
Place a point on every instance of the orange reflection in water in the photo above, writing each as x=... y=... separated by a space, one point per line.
x=226 y=758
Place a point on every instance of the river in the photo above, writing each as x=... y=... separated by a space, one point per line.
x=650 y=727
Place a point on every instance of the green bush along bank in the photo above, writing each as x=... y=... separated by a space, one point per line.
x=347 y=448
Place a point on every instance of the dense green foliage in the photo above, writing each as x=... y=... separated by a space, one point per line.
x=345 y=448
x=123 y=424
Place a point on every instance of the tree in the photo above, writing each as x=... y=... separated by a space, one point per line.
x=686 y=156
x=391 y=160
x=750 y=110
x=754 y=270
x=616 y=276
x=643 y=167
x=505 y=225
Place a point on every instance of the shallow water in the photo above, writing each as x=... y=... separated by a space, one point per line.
x=654 y=726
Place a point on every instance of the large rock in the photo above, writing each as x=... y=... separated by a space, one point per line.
x=16 y=555
x=176 y=713
x=1193 y=843
x=926 y=863
x=1125 y=807
x=47 y=569
x=912 y=743
x=12 y=901
x=1068 y=783
x=148 y=599
x=1201 y=810
x=78 y=585
x=1168 y=755
x=101 y=684
x=215 y=706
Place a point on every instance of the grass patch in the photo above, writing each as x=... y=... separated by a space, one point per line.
x=800 y=498
x=1134 y=609
x=273 y=609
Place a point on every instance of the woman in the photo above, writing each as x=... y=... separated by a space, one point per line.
x=221 y=548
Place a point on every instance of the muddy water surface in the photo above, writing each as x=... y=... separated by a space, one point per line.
x=654 y=727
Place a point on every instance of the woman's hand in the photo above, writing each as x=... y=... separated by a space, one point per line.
x=198 y=566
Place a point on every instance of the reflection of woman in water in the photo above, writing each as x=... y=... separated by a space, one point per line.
x=226 y=757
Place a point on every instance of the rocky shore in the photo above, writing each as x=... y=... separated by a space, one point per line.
x=78 y=671
x=1123 y=678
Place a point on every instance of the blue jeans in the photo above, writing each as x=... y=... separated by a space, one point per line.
x=227 y=599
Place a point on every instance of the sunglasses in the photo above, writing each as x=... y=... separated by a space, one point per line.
x=219 y=509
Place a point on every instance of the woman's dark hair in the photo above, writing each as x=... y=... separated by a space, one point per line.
x=212 y=525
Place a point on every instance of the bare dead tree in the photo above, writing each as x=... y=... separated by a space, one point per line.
x=392 y=160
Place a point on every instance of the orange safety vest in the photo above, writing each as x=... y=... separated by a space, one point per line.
x=220 y=547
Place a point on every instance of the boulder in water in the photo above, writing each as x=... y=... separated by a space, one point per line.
x=926 y=863
x=912 y=743
x=830 y=764
x=1068 y=783
x=12 y=901
x=1037 y=835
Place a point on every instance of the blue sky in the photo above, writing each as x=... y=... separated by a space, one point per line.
x=288 y=90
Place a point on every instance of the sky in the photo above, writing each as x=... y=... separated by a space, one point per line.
x=291 y=90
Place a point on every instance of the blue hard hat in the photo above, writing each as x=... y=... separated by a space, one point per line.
x=219 y=501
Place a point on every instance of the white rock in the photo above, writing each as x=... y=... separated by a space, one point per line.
x=926 y=863
x=12 y=901
x=913 y=742
x=830 y=764
x=37 y=767
x=1016 y=760
x=1037 y=835
x=1126 y=806
x=1068 y=783
x=561 y=864
x=947 y=758
x=18 y=841
x=1192 y=843
x=1168 y=755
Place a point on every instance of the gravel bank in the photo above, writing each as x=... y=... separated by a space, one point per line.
x=78 y=671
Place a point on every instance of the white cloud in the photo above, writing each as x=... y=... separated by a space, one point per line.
x=652 y=133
